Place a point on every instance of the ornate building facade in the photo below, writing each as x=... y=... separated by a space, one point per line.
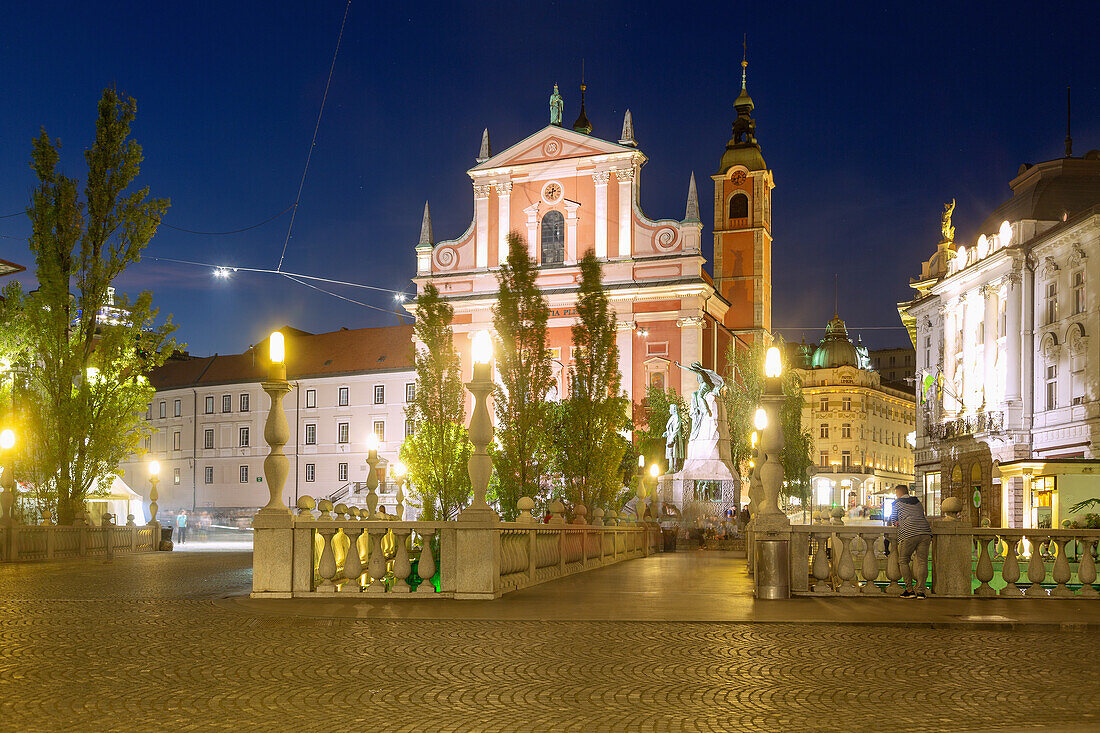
x=567 y=192
x=1007 y=360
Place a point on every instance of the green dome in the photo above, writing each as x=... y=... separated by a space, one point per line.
x=836 y=349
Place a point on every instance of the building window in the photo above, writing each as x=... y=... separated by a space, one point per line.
x=409 y=428
x=343 y=397
x=311 y=398
x=176 y=476
x=244 y=437
x=553 y=238
x=846 y=459
x=824 y=430
x=176 y=440
x=410 y=392
x=227 y=403
x=163 y=410
x=1042 y=501
x=311 y=472
x=380 y=430
x=149 y=411
x=379 y=394
x=824 y=457
x=208 y=438
x=846 y=403
x=311 y=434
x=1078 y=292
x=342 y=432
x=1052 y=386
x=1052 y=302
x=739 y=206
x=244 y=402
x=824 y=404
x=244 y=474
x=208 y=474
x=846 y=431
x=342 y=472
x=210 y=405
x=177 y=408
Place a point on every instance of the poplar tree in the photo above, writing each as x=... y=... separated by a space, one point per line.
x=437 y=451
x=588 y=446
x=524 y=367
x=86 y=352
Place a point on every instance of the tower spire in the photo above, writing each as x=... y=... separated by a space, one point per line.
x=692 y=213
x=744 y=58
x=1069 y=140
x=426 y=228
x=627 y=138
x=486 y=149
x=582 y=124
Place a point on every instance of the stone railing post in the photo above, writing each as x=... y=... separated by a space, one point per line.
x=951 y=551
x=273 y=525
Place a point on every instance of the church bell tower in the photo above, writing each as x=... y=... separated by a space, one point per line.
x=743 y=226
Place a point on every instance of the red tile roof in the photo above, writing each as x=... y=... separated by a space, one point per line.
x=308 y=355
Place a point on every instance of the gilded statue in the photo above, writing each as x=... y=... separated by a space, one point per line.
x=945 y=222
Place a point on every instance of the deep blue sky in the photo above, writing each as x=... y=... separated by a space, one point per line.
x=870 y=116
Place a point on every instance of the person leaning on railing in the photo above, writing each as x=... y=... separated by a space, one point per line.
x=914 y=538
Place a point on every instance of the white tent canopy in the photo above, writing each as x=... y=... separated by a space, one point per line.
x=118 y=499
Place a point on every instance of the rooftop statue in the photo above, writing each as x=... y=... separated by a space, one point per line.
x=557 y=106
x=945 y=222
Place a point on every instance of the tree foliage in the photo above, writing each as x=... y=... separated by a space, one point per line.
x=521 y=457
x=588 y=445
x=84 y=354
x=437 y=451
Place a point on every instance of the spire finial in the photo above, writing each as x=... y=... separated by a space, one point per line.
x=627 y=138
x=582 y=124
x=426 y=228
x=744 y=58
x=486 y=149
x=692 y=213
x=1069 y=140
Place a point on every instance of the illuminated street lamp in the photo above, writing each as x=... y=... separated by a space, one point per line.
x=480 y=464
x=767 y=422
x=154 y=477
x=276 y=429
x=7 y=478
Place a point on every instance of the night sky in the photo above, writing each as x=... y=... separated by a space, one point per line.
x=871 y=119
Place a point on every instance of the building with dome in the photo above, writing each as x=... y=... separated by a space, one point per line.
x=859 y=425
x=1004 y=327
x=568 y=191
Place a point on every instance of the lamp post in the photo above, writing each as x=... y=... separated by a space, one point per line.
x=400 y=472
x=372 y=474
x=7 y=478
x=154 y=477
x=276 y=430
x=771 y=534
x=480 y=464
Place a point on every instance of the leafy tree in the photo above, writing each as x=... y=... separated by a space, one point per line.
x=588 y=446
x=745 y=387
x=523 y=363
x=86 y=354
x=437 y=451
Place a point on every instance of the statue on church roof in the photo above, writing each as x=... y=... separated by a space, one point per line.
x=557 y=107
x=945 y=222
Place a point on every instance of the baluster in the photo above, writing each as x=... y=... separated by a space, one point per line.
x=1086 y=571
x=326 y=566
x=401 y=565
x=870 y=564
x=1010 y=571
x=1036 y=570
x=426 y=567
x=324 y=506
x=341 y=510
x=305 y=506
x=1061 y=572
x=984 y=571
x=376 y=562
x=821 y=565
x=893 y=568
x=846 y=569
x=353 y=563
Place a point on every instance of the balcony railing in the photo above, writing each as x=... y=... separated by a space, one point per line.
x=964 y=425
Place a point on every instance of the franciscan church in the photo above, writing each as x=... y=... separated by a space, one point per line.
x=566 y=191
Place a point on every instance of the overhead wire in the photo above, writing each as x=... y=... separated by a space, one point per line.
x=343 y=297
x=313 y=142
x=279 y=272
x=231 y=231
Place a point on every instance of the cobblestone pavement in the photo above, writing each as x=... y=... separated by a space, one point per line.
x=141 y=644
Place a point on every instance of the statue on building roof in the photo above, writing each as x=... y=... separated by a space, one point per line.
x=945 y=222
x=557 y=107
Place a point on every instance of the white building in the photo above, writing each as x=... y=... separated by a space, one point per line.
x=1006 y=370
x=209 y=414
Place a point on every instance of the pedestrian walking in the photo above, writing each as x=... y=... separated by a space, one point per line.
x=914 y=537
x=181 y=527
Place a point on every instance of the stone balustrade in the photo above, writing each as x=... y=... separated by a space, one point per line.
x=830 y=558
x=455 y=559
x=46 y=541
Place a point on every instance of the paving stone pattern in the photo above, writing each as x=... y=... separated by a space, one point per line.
x=141 y=644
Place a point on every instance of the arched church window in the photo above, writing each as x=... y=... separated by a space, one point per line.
x=553 y=238
x=739 y=206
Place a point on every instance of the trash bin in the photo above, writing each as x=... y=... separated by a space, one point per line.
x=669 y=537
x=773 y=568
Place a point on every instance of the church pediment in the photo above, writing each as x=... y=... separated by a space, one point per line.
x=549 y=144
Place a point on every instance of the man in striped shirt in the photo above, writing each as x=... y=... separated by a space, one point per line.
x=914 y=537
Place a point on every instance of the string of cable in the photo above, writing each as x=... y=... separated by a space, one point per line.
x=313 y=142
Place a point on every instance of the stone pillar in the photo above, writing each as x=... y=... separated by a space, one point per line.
x=1013 y=347
x=504 y=219
x=481 y=219
x=950 y=557
x=572 y=246
x=532 y=212
x=989 y=330
x=600 y=179
x=626 y=199
x=691 y=350
x=624 y=339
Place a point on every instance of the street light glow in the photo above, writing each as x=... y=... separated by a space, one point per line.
x=753 y=438
x=773 y=363
x=7 y=439
x=654 y=470
x=482 y=347
x=641 y=461
x=277 y=348
x=760 y=419
x=372 y=441
x=154 y=469
x=399 y=469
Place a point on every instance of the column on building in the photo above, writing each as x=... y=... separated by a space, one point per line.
x=989 y=339
x=624 y=340
x=571 y=244
x=481 y=216
x=600 y=179
x=626 y=179
x=532 y=212
x=1013 y=347
x=691 y=349
x=504 y=221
